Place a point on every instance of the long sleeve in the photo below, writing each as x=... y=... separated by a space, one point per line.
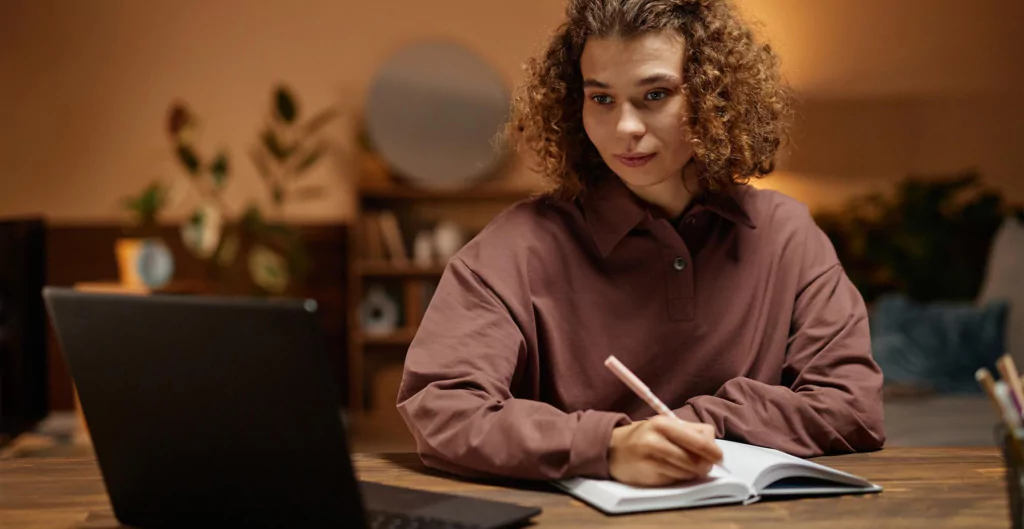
x=470 y=354
x=830 y=397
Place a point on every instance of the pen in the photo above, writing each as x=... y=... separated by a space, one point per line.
x=988 y=383
x=1001 y=394
x=634 y=383
x=1008 y=369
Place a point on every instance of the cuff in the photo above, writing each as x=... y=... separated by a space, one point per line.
x=687 y=413
x=588 y=456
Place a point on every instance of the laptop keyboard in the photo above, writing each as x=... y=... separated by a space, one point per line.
x=391 y=520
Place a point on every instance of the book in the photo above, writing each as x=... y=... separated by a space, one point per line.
x=392 y=234
x=373 y=243
x=752 y=473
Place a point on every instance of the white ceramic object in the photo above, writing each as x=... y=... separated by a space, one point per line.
x=155 y=263
x=423 y=249
x=268 y=269
x=378 y=312
x=145 y=262
x=448 y=239
x=202 y=233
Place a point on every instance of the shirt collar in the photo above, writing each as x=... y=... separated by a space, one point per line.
x=612 y=210
x=728 y=205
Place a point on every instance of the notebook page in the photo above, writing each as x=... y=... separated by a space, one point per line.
x=759 y=467
x=747 y=462
x=613 y=496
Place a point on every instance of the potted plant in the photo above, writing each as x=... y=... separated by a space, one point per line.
x=929 y=240
x=143 y=258
x=252 y=248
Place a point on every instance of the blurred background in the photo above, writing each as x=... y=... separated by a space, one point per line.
x=344 y=150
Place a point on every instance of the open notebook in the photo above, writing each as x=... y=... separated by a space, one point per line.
x=755 y=473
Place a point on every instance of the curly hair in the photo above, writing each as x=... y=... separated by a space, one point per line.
x=739 y=105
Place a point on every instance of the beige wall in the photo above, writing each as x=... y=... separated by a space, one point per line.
x=846 y=147
x=890 y=87
x=894 y=87
x=87 y=83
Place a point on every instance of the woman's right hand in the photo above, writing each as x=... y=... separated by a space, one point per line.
x=661 y=451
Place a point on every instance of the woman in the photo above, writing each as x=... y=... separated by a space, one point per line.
x=649 y=116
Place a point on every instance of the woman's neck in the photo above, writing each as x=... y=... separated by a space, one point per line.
x=670 y=196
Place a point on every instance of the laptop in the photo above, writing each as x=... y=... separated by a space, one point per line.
x=224 y=412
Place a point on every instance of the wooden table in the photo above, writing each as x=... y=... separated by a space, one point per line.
x=924 y=487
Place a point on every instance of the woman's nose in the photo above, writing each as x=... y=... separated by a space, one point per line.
x=630 y=124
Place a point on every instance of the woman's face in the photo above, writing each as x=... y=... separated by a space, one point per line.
x=634 y=107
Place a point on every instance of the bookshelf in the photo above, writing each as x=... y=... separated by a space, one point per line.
x=372 y=263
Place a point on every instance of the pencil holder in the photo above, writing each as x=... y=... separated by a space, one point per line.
x=1012 y=455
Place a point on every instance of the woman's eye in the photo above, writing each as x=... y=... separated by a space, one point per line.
x=656 y=95
x=601 y=99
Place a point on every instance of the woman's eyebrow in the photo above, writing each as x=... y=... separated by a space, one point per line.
x=659 y=78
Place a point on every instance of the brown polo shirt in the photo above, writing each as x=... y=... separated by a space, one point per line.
x=737 y=315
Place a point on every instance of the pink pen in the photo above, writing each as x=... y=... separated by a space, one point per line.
x=641 y=389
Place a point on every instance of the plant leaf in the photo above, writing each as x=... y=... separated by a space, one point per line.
x=152 y=199
x=285 y=105
x=277 y=149
x=219 y=169
x=318 y=121
x=178 y=118
x=260 y=161
x=148 y=203
x=188 y=158
x=311 y=158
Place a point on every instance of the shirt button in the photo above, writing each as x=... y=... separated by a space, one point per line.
x=679 y=263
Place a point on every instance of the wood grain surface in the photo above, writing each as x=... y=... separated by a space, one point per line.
x=924 y=487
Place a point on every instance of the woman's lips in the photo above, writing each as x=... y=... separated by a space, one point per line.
x=633 y=160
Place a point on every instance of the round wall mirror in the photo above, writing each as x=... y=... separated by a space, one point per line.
x=434 y=111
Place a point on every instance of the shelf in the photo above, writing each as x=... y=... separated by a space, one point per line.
x=390 y=270
x=483 y=192
x=414 y=208
x=401 y=337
